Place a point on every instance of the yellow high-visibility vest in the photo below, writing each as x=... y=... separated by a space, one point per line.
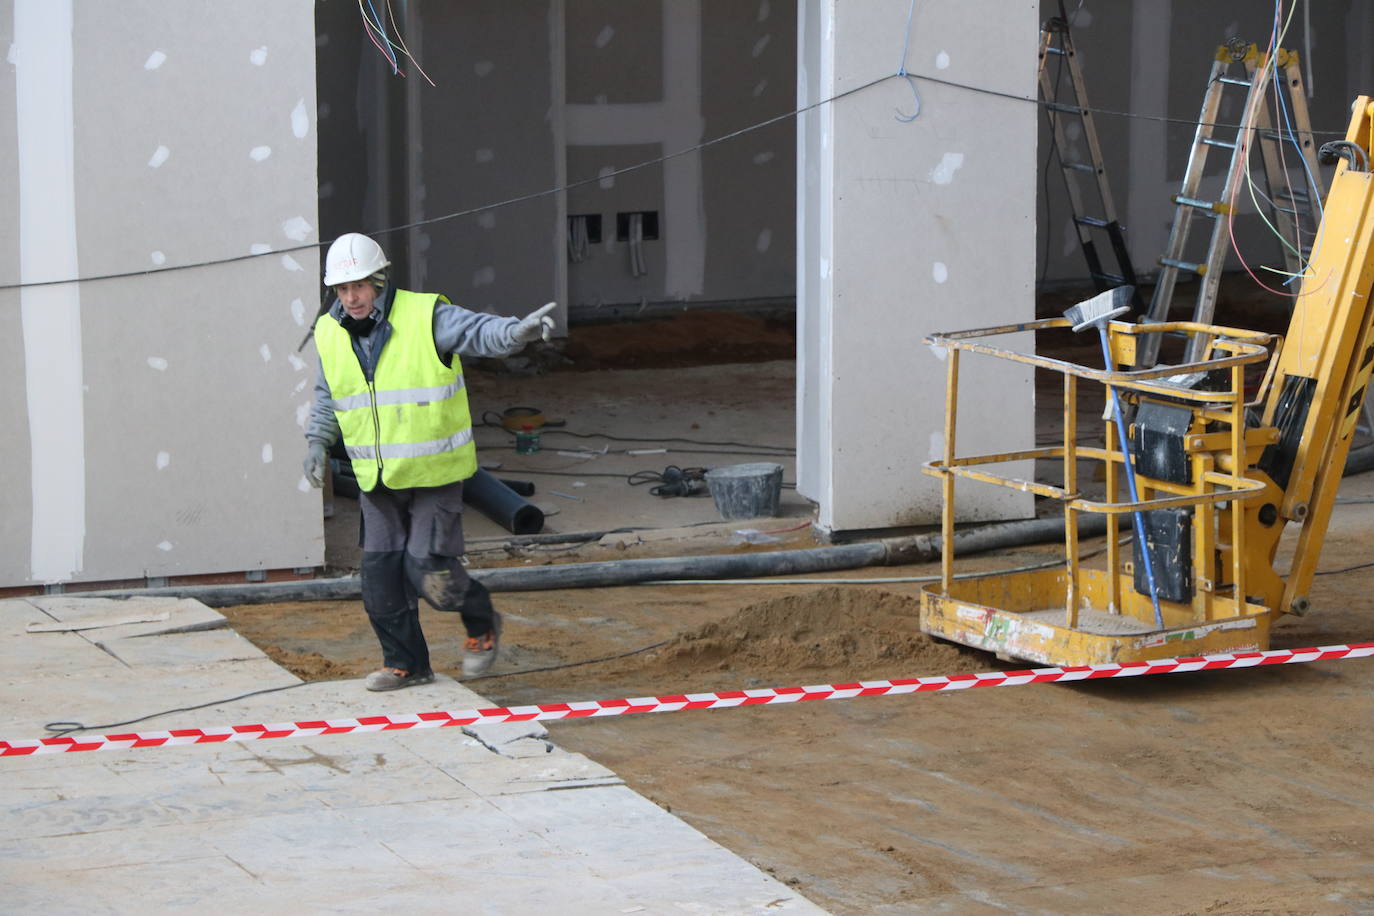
x=410 y=426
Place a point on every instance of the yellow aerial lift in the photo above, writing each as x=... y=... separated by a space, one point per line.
x=1212 y=480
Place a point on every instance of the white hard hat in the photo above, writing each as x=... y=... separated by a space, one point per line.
x=353 y=256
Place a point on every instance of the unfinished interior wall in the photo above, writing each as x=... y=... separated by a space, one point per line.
x=905 y=229
x=647 y=80
x=531 y=96
x=154 y=424
x=1151 y=59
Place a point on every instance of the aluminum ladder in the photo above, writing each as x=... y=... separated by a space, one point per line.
x=1293 y=213
x=1056 y=43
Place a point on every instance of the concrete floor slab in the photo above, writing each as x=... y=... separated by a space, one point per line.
x=183 y=615
x=93 y=687
x=499 y=820
x=179 y=649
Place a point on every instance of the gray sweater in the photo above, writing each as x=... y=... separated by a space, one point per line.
x=456 y=330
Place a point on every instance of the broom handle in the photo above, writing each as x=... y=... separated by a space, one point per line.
x=1130 y=482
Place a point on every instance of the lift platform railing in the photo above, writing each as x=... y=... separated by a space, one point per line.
x=1219 y=455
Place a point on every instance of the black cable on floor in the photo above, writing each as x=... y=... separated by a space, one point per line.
x=590 y=661
x=66 y=728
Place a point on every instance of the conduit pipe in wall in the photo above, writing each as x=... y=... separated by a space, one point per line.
x=884 y=552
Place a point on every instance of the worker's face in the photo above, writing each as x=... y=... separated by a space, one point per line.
x=358 y=297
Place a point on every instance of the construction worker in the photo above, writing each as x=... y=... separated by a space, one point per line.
x=390 y=382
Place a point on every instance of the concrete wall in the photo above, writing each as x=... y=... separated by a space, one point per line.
x=1152 y=58
x=155 y=418
x=905 y=229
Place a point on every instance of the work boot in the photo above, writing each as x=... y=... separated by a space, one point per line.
x=479 y=653
x=396 y=678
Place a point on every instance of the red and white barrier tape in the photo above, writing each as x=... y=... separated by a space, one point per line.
x=727 y=698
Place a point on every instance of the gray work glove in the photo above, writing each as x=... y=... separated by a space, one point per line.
x=315 y=462
x=535 y=325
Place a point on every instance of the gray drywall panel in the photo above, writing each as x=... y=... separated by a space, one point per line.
x=617 y=46
x=16 y=498
x=933 y=229
x=750 y=180
x=486 y=135
x=605 y=273
x=193 y=140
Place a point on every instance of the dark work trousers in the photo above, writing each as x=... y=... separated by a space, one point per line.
x=412 y=547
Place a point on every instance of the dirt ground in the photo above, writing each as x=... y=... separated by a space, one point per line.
x=1243 y=792
x=1238 y=792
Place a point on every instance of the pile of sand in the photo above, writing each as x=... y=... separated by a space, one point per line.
x=855 y=633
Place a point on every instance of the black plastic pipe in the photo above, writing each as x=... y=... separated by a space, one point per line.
x=890 y=552
x=498 y=502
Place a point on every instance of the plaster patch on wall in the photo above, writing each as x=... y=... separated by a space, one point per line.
x=940 y=352
x=296 y=362
x=265 y=352
x=302 y=413
x=944 y=172
x=764 y=10
x=937 y=446
x=159 y=156
x=298 y=312
x=259 y=248
x=258 y=56
x=1082 y=18
x=763 y=158
x=765 y=241
x=303 y=485
x=300 y=386
x=484 y=155
x=483 y=67
x=267 y=453
x=259 y=153
x=607 y=178
x=825 y=268
x=423 y=241
x=300 y=120
x=604 y=37
x=157 y=258
x=761 y=44
x=760 y=87
x=484 y=276
x=158 y=363
x=940 y=272
x=290 y=263
x=297 y=229
x=487 y=219
x=155 y=60
x=942 y=61
x=165 y=546
x=163 y=459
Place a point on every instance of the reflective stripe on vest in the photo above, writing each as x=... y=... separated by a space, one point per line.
x=411 y=426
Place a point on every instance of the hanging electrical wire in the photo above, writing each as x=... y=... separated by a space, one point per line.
x=405 y=49
x=375 y=30
x=1269 y=62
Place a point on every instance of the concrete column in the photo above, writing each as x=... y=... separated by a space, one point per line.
x=904 y=229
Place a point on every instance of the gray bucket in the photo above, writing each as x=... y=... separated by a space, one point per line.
x=746 y=490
